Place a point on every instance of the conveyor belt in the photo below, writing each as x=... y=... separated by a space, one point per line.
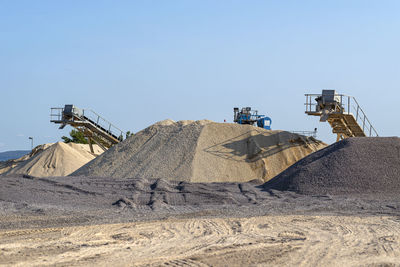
x=344 y=123
x=92 y=125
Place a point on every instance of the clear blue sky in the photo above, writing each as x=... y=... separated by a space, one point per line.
x=138 y=62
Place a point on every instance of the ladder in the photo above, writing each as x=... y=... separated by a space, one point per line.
x=94 y=127
x=337 y=110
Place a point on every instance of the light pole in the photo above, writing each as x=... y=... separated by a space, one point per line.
x=31 y=138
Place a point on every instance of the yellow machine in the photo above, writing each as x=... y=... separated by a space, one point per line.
x=342 y=112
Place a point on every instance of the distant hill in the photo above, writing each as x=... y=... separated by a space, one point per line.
x=13 y=154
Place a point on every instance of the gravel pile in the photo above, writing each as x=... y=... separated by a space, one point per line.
x=202 y=151
x=58 y=159
x=352 y=166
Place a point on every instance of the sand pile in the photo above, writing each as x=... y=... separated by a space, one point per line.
x=9 y=164
x=57 y=159
x=355 y=165
x=202 y=151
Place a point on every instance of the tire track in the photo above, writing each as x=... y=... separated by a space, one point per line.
x=291 y=240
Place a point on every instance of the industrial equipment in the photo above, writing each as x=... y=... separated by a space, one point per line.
x=93 y=126
x=337 y=110
x=307 y=133
x=248 y=116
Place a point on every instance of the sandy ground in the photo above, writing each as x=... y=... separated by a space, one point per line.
x=289 y=240
x=80 y=221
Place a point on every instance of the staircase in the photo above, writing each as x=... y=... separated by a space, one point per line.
x=94 y=127
x=336 y=110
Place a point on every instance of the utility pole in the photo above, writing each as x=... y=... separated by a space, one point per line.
x=31 y=138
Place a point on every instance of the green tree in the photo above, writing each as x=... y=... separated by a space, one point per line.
x=76 y=137
x=128 y=133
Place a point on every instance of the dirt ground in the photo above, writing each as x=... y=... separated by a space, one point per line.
x=80 y=221
x=290 y=240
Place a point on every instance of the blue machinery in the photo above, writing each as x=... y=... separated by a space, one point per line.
x=251 y=117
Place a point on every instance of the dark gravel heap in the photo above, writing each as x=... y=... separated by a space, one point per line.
x=369 y=165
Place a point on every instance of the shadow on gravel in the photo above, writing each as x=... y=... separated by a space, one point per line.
x=253 y=145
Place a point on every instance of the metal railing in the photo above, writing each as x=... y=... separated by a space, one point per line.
x=347 y=105
x=89 y=115
x=103 y=123
x=306 y=133
x=56 y=114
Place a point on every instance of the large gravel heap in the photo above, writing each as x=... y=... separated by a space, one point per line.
x=355 y=165
x=202 y=151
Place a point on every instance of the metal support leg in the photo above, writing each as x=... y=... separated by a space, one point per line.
x=90 y=145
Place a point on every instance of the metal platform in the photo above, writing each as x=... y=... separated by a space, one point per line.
x=92 y=125
x=342 y=112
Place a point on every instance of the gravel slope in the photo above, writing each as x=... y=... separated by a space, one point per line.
x=351 y=166
x=202 y=151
